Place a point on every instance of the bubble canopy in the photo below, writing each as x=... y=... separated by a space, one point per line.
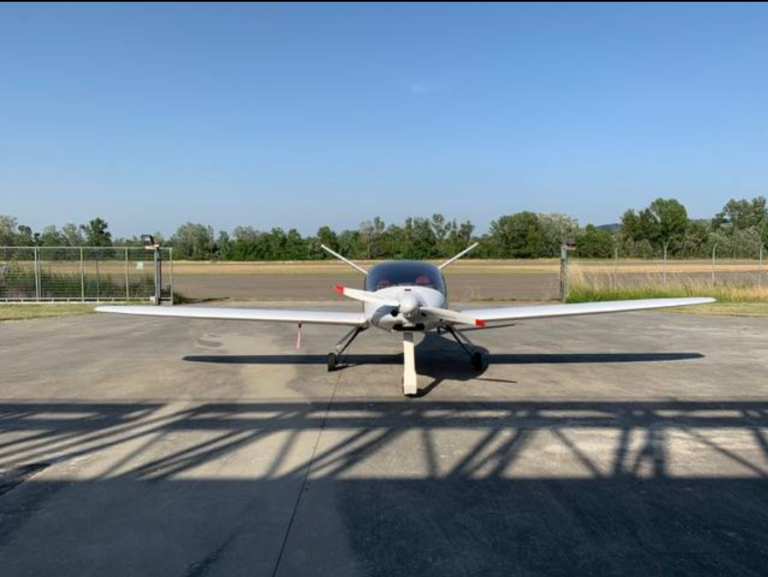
x=405 y=273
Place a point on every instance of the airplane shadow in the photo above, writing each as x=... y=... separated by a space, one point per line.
x=441 y=359
x=354 y=360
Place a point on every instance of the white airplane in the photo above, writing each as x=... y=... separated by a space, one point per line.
x=405 y=297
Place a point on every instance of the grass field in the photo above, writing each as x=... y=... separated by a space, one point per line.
x=727 y=309
x=738 y=296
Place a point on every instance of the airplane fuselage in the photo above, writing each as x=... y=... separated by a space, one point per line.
x=411 y=285
x=406 y=317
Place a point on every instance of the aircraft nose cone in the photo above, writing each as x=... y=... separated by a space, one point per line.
x=409 y=305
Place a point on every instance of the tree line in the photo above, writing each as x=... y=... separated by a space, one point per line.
x=740 y=229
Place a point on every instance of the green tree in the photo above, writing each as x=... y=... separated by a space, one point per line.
x=52 y=237
x=193 y=242
x=517 y=236
x=741 y=214
x=8 y=227
x=595 y=243
x=349 y=244
x=440 y=230
x=555 y=228
x=666 y=221
x=72 y=235
x=696 y=242
x=296 y=246
x=25 y=237
x=97 y=232
x=223 y=245
x=372 y=237
x=629 y=231
x=326 y=236
x=459 y=237
x=662 y=223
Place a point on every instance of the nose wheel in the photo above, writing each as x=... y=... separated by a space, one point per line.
x=333 y=362
x=477 y=361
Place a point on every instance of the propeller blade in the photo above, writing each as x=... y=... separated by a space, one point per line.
x=453 y=316
x=366 y=297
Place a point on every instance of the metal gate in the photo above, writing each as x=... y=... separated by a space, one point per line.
x=86 y=274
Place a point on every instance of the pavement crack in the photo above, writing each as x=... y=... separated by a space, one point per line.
x=12 y=478
x=305 y=480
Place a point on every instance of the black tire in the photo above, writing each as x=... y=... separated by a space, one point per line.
x=332 y=362
x=477 y=361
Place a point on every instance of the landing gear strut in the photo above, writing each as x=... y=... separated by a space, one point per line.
x=475 y=355
x=410 y=380
x=335 y=355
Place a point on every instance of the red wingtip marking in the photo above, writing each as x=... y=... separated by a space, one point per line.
x=339 y=289
x=479 y=323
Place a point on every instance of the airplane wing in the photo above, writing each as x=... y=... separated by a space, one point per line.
x=548 y=311
x=235 y=314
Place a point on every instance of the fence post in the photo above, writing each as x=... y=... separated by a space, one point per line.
x=760 y=270
x=563 y=273
x=664 y=274
x=170 y=261
x=127 y=284
x=98 y=275
x=82 y=275
x=714 y=251
x=37 y=274
x=158 y=277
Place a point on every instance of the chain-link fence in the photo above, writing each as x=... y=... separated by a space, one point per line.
x=743 y=267
x=84 y=274
x=724 y=266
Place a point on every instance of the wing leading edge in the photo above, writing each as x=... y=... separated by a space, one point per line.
x=233 y=314
x=550 y=311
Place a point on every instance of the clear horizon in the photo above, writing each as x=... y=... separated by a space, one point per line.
x=303 y=115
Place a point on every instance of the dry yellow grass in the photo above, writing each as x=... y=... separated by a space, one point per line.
x=585 y=285
x=333 y=267
x=540 y=266
x=659 y=266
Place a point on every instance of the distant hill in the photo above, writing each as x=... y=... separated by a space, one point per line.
x=609 y=227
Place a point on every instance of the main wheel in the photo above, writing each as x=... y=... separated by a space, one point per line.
x=333 y=360
x=477 y=361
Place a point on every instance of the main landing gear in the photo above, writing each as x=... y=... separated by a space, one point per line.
x=475 y=355
x=335 y=355
x=410 y=378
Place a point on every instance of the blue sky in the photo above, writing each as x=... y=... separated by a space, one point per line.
x=304 y=115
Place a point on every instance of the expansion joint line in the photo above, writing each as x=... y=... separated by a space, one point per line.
x=306 y=476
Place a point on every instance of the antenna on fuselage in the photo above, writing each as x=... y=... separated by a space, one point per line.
x=458 y=256
x=346 y=260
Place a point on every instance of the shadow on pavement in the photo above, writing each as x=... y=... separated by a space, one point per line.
x=385 y=492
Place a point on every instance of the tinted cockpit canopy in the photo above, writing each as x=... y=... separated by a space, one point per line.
x=404 y=273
